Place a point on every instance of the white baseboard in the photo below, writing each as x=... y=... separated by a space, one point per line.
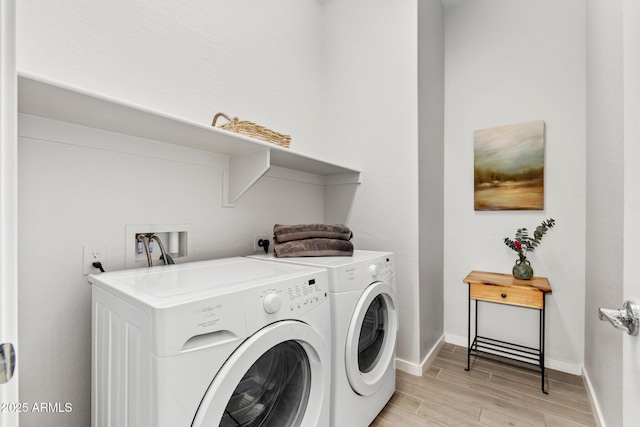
x=563 y=366
x=558 y=365
x=593 y=398
x=417 y=369
x=408 y=367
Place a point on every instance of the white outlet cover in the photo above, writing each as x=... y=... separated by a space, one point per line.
x=91 y=254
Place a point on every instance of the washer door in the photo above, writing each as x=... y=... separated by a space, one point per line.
x=275 y=378
x=371 y=338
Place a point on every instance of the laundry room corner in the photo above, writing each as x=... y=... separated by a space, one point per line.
x=541 y=61
x=81 y=186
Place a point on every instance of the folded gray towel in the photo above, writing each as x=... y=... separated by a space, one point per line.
x=313 y=247
x=286 y=233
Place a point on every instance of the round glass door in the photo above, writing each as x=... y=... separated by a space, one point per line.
x=278 y=377
x=372 y=334
x=371 y=339
x=273 y=392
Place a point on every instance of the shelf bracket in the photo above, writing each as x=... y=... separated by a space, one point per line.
x=244 y=170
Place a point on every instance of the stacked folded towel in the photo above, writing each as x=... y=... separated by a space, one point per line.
x=312 y=240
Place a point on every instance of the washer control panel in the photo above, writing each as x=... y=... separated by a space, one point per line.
x=294 y=297
x=286 y=299
x=272 y=303
x=303 y=294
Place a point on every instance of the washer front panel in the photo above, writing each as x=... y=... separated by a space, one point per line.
x=376 y=308
x=304 y=343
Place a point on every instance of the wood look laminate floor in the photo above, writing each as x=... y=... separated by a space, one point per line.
x=490 y=394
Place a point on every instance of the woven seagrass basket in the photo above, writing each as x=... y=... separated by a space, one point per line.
x=252 y=130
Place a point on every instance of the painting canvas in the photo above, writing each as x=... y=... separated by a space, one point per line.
x=509 y=167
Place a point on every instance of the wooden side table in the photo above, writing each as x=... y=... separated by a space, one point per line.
x=506 y=289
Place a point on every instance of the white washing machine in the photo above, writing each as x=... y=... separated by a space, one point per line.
x=229 y=342
x=362 y=289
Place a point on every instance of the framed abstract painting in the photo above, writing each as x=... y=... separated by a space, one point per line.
x=509 y=167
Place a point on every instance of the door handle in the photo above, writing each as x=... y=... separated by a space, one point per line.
x=626 y=319
x=7 y=362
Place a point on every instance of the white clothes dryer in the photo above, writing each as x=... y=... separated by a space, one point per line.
x=229 y=342
x=362 y=290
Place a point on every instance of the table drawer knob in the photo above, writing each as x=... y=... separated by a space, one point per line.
x=504 y=295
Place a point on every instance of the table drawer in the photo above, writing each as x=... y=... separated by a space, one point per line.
x=524 y=297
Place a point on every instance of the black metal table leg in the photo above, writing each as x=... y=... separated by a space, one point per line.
x=542 y=319
x=469 y=331
x=502 y=351
x=475 y=337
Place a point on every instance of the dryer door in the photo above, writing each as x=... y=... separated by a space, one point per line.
x=277 y=377
x=371 y=338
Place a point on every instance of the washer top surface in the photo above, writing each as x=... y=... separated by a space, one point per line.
x=329 y=261
x=178 y=283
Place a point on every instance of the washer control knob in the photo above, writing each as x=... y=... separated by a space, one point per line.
x=272 y=303
x=373 y=269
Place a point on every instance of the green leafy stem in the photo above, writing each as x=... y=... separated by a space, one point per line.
x=524 y=243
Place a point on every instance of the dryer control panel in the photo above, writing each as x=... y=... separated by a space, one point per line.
x=381 y=268
x=360 y=274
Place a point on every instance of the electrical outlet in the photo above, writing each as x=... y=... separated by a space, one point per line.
x=91 y=254
x=257 y=238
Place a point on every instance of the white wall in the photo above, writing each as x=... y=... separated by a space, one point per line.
x=248 y=58
x=631 y=344
x=255 y=59
x=371 y=57
x=511 y=61
x=605 y=203
x=431 y=172
x=343 y=81
x=72 y=196
x=8 y=211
